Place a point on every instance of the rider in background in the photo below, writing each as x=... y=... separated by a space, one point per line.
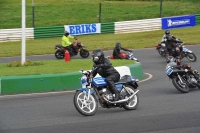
x=104 y=68
x=65 y=41
x=167 y=32
x=170 y=44
x=117 y=49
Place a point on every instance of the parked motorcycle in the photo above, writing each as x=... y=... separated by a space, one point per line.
x=75 y=46
x=183 y=80
x=124 y=55
x=94 y=91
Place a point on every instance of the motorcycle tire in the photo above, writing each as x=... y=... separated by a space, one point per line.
x=84 y=53
x=84 y=106
x=198 y=84
x=133 y=104
x=191 y=57
x=178 y=86
x=59 y=54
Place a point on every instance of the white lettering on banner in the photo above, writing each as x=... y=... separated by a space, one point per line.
x=177 y=22
x=83 y=29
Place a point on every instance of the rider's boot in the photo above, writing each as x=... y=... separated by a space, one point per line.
x=117 y=96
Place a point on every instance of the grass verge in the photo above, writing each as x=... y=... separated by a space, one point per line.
x=102 y=41
x=55 y=66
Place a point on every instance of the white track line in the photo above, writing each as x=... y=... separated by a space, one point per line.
x=60 y=92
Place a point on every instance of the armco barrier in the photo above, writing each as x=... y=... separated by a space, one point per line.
x=49 y=82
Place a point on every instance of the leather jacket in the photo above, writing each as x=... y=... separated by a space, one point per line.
x=104 y=69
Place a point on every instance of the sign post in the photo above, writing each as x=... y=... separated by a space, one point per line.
x=23 y=47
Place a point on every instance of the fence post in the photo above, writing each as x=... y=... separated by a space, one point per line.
x=160 y=8
x=33 y=14
x=99 y=12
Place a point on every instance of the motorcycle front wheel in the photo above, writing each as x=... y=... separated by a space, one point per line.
x=84 y=53
x=85 y=105
x=59 y=54
x=133 y=104
x=182 y=87
x=191 y=57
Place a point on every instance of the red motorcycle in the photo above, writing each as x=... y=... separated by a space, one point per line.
x=124 y=55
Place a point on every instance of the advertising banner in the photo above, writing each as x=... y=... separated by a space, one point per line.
x=83 y=29
x=178 y=22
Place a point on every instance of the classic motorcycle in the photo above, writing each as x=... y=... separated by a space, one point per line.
x=183 y=80
x=94 y=91
x=75 y=46
x=179 y=51
x=124 y=55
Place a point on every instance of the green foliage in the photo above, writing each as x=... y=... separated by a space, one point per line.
x=65 y=12
x=27 y=63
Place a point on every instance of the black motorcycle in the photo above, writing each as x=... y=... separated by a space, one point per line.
x=75 y=46
x=182 y=79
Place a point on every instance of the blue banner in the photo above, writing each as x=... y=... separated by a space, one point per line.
x=178 y=22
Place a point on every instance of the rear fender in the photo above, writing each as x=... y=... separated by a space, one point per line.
x=133 y=84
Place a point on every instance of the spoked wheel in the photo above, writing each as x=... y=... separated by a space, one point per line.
x=191 y=57
x=59 y=54
x=133 y=104
x=84 y=53
x=85 y=105
x=182 y=87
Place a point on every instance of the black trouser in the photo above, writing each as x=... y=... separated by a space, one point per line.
x=110 y=80
x=69 y=49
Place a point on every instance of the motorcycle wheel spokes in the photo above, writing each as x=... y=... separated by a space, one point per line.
x=134 y=101
x=85 y=104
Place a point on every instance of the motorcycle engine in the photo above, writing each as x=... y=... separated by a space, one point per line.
x=193 y=81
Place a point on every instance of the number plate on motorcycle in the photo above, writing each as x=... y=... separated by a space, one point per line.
x=169 y=71
x=185 y=49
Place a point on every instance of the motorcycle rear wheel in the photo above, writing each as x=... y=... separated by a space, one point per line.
x=84 y=53
x=181 y=87
x=84 y=106
x=133 y=104
x=59 y=54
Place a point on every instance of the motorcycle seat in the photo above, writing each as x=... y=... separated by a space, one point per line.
x=124 y=79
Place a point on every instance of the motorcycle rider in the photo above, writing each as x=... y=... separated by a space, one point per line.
x=177 y=62
x=167 y=32
x=117 y=49
x=104 y=68
x=66 y=43
x=170 y=45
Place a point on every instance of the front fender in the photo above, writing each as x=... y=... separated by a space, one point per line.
x=86 y=90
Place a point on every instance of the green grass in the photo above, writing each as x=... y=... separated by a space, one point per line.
x=55 y=66
x=102 y=41
x=64 y=12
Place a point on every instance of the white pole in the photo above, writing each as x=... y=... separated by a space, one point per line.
x=23 y=50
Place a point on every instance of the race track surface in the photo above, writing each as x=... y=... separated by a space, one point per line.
x=162 y=108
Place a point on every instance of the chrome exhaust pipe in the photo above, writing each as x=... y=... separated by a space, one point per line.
x=123 y=100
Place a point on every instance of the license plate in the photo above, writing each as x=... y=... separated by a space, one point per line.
x=169 y=71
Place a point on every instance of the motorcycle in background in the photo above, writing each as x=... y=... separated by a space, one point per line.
x=94 y=91
x=75 y=46
x=179 y=51
x=124 y=55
